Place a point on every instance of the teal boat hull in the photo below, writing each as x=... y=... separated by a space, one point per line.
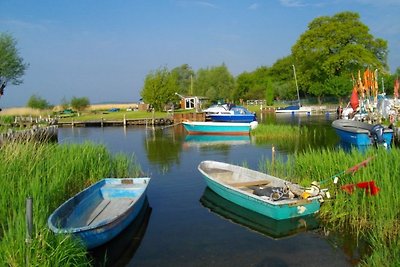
x=278 y=210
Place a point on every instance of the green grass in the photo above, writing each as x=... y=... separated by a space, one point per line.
x=50 y=174
x=375 y=219
x=277 y=132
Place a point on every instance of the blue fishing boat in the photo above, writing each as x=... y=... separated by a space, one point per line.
x=234 y=114
x=262 y=193
x=100 y=212
x=218 y=128
x=359 y=133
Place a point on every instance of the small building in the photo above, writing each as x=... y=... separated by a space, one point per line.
x=192 y=102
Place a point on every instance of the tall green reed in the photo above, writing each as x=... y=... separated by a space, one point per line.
x=50 y=174
x=374 y=218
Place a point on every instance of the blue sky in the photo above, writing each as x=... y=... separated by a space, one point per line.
x=104 y=49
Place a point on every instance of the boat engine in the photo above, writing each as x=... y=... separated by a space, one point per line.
x=377 y=134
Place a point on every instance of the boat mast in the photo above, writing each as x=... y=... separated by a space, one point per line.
x=297 y=87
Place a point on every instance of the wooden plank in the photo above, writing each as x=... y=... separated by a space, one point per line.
x=99 y=209
x=114 y=208
x=249 y=183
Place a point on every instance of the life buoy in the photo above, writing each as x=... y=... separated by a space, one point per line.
x=168 y=121
x=162 y=121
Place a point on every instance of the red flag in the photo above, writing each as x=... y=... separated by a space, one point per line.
x=369 y=187
x=354 y=99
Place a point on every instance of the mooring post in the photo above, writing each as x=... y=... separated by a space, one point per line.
x=101 y=122
x=29 y=228
x=273 y=155
x=124 y=120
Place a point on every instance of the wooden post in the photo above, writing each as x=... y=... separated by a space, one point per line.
x=29 y=228
x=124 y=120
x=101 y=122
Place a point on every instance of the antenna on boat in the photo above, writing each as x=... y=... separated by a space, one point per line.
x=297 y=87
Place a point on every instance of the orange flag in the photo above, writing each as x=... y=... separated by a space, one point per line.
x=354 y=99
x=396 y=88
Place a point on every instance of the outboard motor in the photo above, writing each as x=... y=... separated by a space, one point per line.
x=377 y=135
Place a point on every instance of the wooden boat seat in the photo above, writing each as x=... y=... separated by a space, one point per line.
x=249 y=183
x=109 y=208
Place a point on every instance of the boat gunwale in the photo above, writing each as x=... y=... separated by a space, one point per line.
x=290 y=202
x=98 y=185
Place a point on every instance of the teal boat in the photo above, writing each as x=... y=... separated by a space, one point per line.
x=219 y=128
x=262 y=193
x=254 y=221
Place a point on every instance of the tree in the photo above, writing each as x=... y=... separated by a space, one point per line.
x=185 y=76
x=159 y=88
x=216 y=83
x=336 y=46
x=80 y=103
x=37 y=102
x=283 y=78
x=12 y=67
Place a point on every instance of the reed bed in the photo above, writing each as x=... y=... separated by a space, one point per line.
x=373 y=218
x=280 y=132
x=50 y=174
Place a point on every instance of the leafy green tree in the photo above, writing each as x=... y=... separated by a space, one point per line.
x=185 y=76
x=12 y=66
x=216 y=83
x=38 y=102
x=159 y=88
x=336 y=46
x=282 y=76
x=80 y=103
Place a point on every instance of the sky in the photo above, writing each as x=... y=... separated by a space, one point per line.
x=103 y=50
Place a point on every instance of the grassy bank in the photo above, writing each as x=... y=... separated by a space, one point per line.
x=375 y=219
x=50 y=174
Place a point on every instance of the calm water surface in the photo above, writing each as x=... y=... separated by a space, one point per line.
x=186 y=225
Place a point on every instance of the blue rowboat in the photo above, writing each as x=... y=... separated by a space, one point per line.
x=259 y=192
x=234 y=114
x=360 y=134
x=100 y=212
x=218 y=128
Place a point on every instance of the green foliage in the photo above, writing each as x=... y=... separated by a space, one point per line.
x=80 y=103
x=12 y=66
x=253 y=85
x=38 y=102
x=215 y=83
x=185 y=76
x=336 y=46
x=160 y=87
x=373 y=218
x=50 y=174
x=282 y=76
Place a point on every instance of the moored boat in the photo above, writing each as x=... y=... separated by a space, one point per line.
x=362 y=134
x=100 y=212
x=234 y=114
x=218 y=128
x=254 y=221
x=260 y=192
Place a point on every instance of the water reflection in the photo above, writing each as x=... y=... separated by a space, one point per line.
x=254 y=221
x=120 y=250
x=215 y=140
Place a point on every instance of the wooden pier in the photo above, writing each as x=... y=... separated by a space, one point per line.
x=175 y=119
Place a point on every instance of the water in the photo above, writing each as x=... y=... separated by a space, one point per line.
x=184 y=224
